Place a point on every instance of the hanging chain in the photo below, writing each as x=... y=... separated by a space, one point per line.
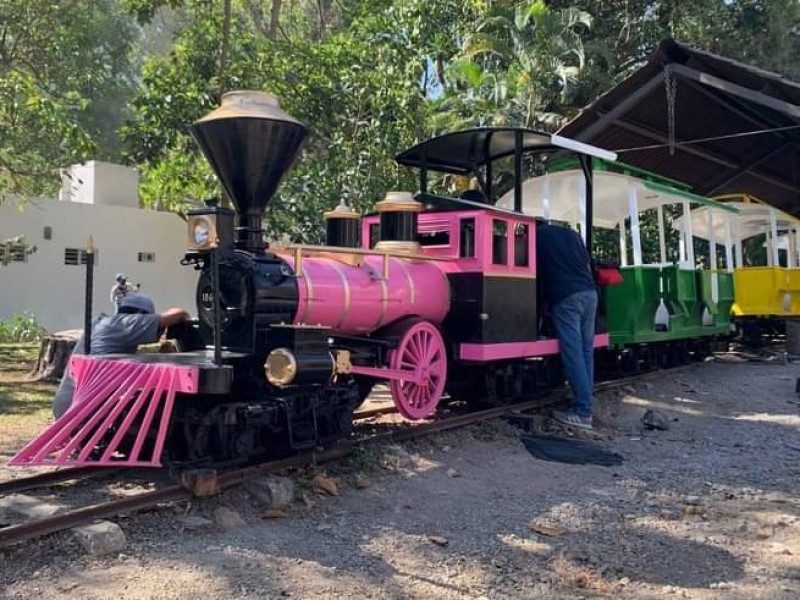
x=671 y=89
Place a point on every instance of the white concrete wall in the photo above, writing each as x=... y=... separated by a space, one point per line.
x=98 y=182
x=54 y=292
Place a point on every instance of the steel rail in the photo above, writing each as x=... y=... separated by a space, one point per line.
x=72 y=518
x=66 y=520
x=51 y=478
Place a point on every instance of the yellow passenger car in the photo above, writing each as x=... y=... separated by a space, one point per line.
x=767 y=284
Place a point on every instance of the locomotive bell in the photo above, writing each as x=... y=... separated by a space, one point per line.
x=251 y=144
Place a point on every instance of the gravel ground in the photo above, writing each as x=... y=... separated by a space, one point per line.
x=706 y=509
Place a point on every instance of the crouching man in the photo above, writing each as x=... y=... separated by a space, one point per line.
x=136 y=323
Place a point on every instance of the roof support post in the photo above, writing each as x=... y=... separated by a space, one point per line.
x=738 y=242
x=623 y=247
x=712 y=242
x=662 y=242
x=712 y=256
x=546 y=192
x=633 y=210
x=423 y=175
x=489 y=191
x=588 y=199
x=773 y=228
x=687 y=223
x=518 y=171
x=728 y=244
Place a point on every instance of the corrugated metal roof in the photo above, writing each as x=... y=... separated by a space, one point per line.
x=715 y=96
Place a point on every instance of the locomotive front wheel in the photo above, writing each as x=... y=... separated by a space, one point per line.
x=420 y=350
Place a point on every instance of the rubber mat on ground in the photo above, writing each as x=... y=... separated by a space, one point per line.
x=570 y=451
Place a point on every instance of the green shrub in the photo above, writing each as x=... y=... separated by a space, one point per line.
x=20 y=328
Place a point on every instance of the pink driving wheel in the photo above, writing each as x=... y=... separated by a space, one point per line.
x=420 y=350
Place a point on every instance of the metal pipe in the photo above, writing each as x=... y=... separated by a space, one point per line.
x=588 y=176
x=518 y=171
x=217 y=307
x=87 y=302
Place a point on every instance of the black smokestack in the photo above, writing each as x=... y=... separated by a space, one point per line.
x=251 y=145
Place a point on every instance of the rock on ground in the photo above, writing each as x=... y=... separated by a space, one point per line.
x=101 y=538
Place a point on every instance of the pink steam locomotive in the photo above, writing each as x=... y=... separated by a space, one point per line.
x=432 y=294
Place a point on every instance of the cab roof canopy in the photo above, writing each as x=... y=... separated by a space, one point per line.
x=704 y=103
x=472 y=152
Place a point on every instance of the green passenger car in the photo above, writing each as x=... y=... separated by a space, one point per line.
x=665 y=294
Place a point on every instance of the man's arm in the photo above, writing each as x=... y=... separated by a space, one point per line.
x=172 y=316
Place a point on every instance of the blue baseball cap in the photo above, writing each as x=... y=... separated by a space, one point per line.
x=121 y=277
x=139 y=302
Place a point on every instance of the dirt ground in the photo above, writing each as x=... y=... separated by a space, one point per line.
x=707 y=509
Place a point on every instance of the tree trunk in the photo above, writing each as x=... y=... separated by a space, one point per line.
x=54 y=352
x=226 y=36
x=274 y=18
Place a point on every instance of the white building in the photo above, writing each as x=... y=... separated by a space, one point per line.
x=101 y=200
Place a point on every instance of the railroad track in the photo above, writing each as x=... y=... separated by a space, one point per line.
x=51 y=478
x=72 y=518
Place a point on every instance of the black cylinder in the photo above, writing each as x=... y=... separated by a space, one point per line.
x=343 y=232
x=399 y=226
x=249 y=233
x=314 y=368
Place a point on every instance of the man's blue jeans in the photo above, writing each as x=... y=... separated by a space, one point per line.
x=573 y=318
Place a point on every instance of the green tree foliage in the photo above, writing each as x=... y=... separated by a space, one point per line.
x=518 y=67
x=371 y=77
x=360 y=88
x=65 y=73
x=764 y=33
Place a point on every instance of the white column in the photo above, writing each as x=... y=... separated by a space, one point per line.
x=633 y=210
x=773 y=227
x=797 y=246
x=662 y=241
x=738 y=242
x=623 y=248
x=768 y=249
x=728 y=244
x=546 y=192
x=712 y=256
x=712 y=243
x=687 y=232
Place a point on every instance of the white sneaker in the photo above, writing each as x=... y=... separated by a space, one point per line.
x=573 y=419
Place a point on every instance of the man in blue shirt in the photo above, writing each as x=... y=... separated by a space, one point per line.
x=135 y=323
x=564 y=274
